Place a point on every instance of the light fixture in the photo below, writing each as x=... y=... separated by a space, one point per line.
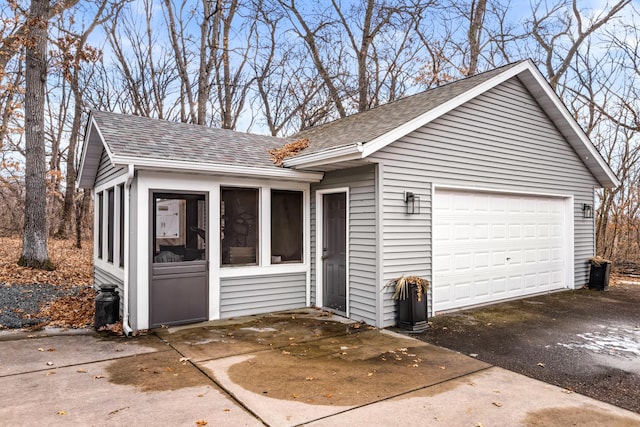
x=413 y=203
x=587 y=211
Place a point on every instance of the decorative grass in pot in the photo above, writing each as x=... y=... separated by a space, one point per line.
x=410 y=294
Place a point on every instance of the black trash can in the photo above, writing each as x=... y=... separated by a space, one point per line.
x=599 y=276
x=107 y=306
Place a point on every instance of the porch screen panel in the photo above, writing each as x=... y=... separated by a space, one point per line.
x=286 y=226
x=239 y=226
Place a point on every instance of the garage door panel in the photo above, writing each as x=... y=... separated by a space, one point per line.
x=493 y=246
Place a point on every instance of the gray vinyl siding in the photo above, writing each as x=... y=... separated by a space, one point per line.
x=106 y=171
x=361 y=235
x=500 y=140
x=102 y=277
x=242 y=296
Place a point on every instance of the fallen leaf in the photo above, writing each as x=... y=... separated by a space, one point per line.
x=51 y=349
x=286 y=352
x=81 y=371
x=498 y=404
x=49 y=363
x=184 y=359
x=61 y=413
x=292 y=338
x=442 y=367
x=227 y=410
x=310 y=378
x=370 y=374
x=541 y=364
x=41 y=349
x=473 y=354
x=50 y=373
x=294 y=395
x=98 y=377
x=201 y=423
x=329 y=395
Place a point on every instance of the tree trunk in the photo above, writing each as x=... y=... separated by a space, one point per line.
x=34 y=239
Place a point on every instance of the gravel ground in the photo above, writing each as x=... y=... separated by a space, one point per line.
x=586 y=341
x=20 y=304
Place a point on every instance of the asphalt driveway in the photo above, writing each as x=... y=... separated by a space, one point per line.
x=585 y=341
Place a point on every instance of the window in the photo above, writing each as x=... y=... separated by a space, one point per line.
x=239 y=226
x=179 y=223
x=121 y=229
x=110 y=223
x=100 y=223
x=286 y=226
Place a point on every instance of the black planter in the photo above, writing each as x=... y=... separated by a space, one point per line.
x=599 y=276
x=107 y=306
x=412 y=314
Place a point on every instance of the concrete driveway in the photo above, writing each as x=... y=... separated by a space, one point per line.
x=583 y=340
x=284 y=369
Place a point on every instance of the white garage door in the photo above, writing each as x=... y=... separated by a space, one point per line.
x=488 y=247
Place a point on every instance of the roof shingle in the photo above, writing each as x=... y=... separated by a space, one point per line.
x=146 y=138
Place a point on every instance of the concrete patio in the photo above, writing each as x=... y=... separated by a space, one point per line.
x=296 y=368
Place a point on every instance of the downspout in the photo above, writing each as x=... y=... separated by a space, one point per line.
x=126 y=328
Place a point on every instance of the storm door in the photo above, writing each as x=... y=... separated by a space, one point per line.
x=334 y=251
x=179 y=290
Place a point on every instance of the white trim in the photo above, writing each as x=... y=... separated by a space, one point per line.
x=228 y=169
x=253 y=271
x=569 y=249
x=380 y=288
x=319 y=244
x=112 y=268
x=471 y=188
x=213 y=249
x=331 y=155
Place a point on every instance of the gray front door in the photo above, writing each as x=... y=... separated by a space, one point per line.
x=334 y=256
x=179 y=290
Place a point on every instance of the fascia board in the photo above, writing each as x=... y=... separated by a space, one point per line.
x=345 y=152
x=177 y=165
x=93 y=141
x=416 y=123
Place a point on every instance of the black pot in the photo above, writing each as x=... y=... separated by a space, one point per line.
x=599 y=276
x=412 y=314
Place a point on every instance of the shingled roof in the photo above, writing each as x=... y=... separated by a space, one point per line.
x=368 y=125
x=127 y=136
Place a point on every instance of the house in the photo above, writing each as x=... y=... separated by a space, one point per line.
x=483 y=186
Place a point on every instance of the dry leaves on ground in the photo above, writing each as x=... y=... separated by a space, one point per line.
x=72 y=311
x=74 y=266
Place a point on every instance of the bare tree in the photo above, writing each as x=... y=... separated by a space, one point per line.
x=560 y=33
x=34 y=240
x=75 y=54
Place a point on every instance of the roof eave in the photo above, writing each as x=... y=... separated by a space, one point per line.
x=215 y=168
x=93 y=143
x=334 y=155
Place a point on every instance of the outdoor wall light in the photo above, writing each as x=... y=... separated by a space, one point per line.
x=587 y=211
x=413 y=203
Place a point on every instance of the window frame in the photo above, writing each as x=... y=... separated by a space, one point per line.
x=301 y=219
x=258 y=224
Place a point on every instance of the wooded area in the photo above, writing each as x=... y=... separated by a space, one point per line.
x=278 y=66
